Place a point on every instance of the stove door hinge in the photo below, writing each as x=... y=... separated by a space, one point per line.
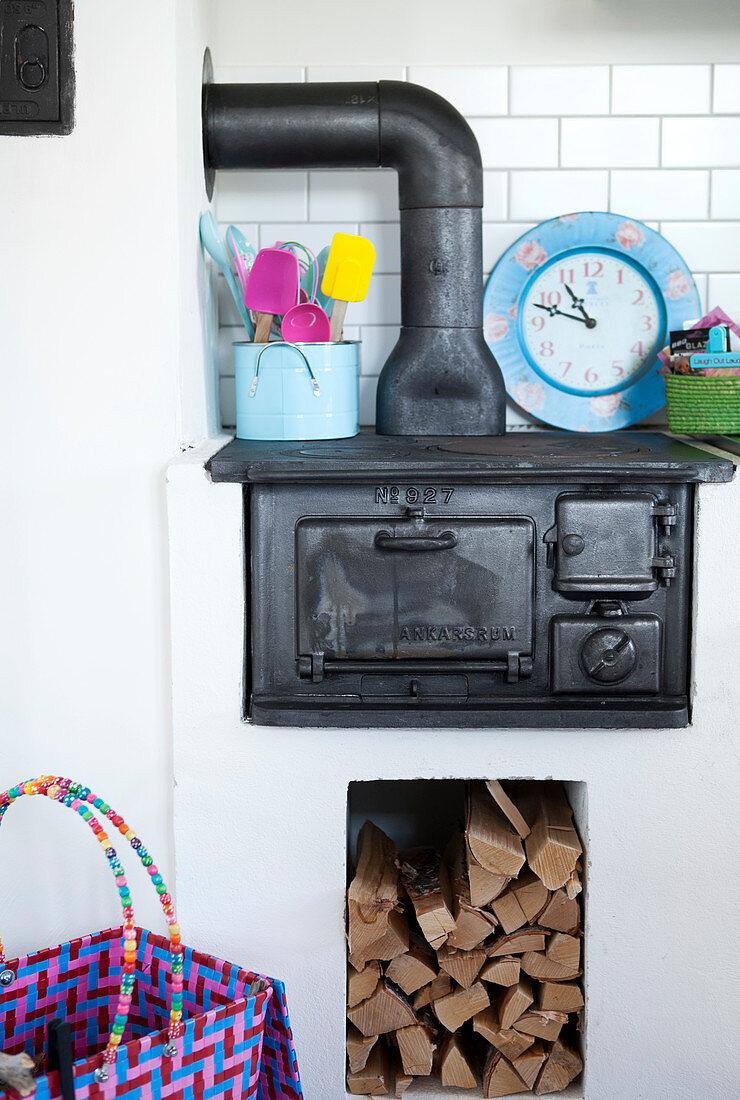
x=311 y=668
x=666 y=567
x=667 y=515
x=518 y=667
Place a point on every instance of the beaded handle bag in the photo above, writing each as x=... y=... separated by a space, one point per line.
x=197 y=1023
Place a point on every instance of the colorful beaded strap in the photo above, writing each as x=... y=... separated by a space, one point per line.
x=80 y=798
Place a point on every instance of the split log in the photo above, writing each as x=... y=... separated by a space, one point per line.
x=358 y=1048
x=508 y=911
x=490 y=837
x=532 y=895
x=525 y=939
x=453 y=1010
x=529 y=1064
x=484 y=886
x=413 y=970
x=562 y=1066
x=561 y=913
x=553 y=847
x=573 y=886
x=361 y=983
x=505 y=804
x=500 y=1078
x=511 y=1043
x=402 y=1080
x=455 y=1069
x=559 y=997
x=472 y=924
x=424 y=877
x=373 y=892
x=386 y=1010
x=440 y=987
x=15 y=1073
x=417 y=1047
x=537 y=965
x=503 y=970
x=513 y=1002
x=462 y=966
x=564 y=949
x=375 y=1078
x=543 y=1025
x=394 y=942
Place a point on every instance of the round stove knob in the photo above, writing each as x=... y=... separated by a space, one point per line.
x=608 y=656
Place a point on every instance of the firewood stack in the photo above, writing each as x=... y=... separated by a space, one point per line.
x=464 y=966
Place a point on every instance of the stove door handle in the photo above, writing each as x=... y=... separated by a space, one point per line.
x=384 y=540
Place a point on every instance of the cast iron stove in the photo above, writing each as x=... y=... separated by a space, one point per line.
x=532 y=579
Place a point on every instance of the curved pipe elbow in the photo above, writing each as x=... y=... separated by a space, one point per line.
x=430 y=145
x=441 y=379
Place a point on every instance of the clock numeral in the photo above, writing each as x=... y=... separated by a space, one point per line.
x=552 y=299
x=620 y=275
x=617 y=367
x=546 y=348
x=567 y=276
x=566 y=365
x=637 y=349
x=647 y=323
x=537 y=323
x=592 y=269
x=639 y=295
x=591 y=375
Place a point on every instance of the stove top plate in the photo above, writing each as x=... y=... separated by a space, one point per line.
x=515 y=456
x=556 y=446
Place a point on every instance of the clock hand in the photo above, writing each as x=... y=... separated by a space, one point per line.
x=555 y=312
x=578 y=303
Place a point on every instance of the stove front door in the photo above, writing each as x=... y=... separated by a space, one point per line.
x=415 y=589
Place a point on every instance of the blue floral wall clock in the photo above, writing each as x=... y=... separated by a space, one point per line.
x=576 y=312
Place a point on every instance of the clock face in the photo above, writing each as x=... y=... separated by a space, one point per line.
x=576 y=312
x=590 y=321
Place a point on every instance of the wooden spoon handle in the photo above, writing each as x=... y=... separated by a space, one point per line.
x=337 y=319
x=262 y=329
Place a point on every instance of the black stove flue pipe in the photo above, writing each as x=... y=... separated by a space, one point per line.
x=440 y=378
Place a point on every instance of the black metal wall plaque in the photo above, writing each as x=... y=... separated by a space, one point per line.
x=37 y=80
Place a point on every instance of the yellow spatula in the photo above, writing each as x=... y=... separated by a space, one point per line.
x=349 y=266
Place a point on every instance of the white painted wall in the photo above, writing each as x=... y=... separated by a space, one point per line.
x=478 y=32
x=262 y=829
x=99 y=306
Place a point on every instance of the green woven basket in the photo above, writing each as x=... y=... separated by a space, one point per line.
x=702 y=404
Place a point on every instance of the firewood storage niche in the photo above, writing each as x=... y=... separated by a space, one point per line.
x=465 y=937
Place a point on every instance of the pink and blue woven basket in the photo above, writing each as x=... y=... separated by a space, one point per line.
x=230 y=1038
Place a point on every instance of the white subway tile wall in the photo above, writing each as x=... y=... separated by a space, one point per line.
x=517 y=142
x=660 y=143
x=474 y=89
x=560 y=90
x=610 y=142
x=661 y=90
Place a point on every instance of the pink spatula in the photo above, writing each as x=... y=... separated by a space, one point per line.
x=272 y=287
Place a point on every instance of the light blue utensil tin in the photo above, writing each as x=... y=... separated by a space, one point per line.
x=297 y=391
